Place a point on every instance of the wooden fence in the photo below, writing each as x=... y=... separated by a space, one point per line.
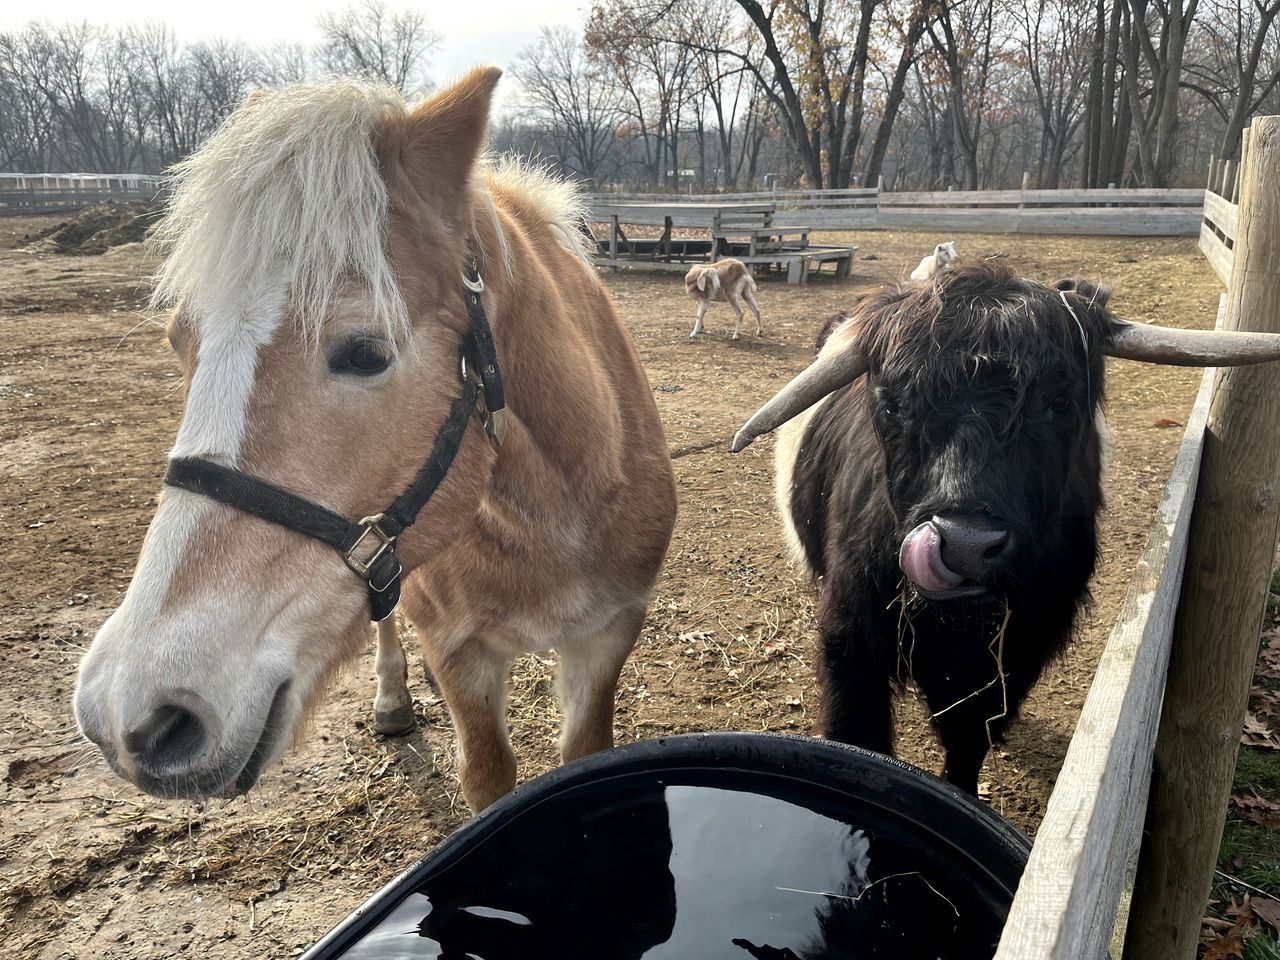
x=1112 y=212
x=28 y=194
x=1126 y=851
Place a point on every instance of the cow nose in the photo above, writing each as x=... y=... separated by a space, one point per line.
x=971 y=549
x=170 y=740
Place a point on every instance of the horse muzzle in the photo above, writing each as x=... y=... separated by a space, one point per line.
x=178 y=746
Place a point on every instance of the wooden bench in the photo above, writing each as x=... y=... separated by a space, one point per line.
x=745 y=231
x=752 y=237
x=800 y=263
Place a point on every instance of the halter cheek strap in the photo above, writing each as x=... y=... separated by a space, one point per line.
x=369 y=547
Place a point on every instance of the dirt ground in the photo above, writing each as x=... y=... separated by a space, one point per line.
x=89 y=401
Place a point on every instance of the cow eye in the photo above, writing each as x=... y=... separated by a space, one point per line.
x=888 y=402
x=1060 y=405
x=360 y=356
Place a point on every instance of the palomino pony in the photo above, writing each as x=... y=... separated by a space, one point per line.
x=357 y=296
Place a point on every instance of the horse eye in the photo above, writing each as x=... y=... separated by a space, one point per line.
x=360 y=356
x=1060 y=405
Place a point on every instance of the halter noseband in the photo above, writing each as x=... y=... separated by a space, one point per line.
x=369 y=547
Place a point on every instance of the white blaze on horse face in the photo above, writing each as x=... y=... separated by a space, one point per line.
x=216 y=418
x=158 y=649
x=213 y=425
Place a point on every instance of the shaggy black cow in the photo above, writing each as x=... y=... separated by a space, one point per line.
x=945 y=490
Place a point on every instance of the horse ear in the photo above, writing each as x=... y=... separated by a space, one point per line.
x=445 y=134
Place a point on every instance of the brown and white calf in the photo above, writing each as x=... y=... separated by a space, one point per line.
x=944 y=254
x=725 y=281
x=316 y=247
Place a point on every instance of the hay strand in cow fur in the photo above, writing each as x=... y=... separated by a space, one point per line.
x=996 y=649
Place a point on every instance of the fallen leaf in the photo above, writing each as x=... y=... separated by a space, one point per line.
x=1258 y=734
x=1163 y=422
x=1254 y=809
x=775 y=648
x=1230 y=945
x=1227 y=946
x=1268 y=911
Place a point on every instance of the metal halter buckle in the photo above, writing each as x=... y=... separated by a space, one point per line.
x=476 y=285
x=385 y=542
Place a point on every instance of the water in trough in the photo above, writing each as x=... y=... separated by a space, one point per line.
x=716 y=864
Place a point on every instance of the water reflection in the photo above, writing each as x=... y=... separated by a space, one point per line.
x=677 y=872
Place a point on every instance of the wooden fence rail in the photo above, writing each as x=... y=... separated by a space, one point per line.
x=1137 y=212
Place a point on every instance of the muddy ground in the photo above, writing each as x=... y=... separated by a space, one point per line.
x=89 y=401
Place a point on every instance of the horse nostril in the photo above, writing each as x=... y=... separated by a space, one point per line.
x=171 y=737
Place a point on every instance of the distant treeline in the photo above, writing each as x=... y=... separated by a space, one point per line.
x=708 y=95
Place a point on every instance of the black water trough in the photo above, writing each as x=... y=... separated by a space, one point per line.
x=720 y=846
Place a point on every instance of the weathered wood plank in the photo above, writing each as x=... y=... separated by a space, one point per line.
x=1222 y=213
x=1218 y=254
x=1066 y=904
x=1233 y=539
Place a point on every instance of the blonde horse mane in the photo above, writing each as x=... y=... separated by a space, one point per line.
x=290 y=186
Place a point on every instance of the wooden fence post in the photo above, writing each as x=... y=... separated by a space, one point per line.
x=1215 y=642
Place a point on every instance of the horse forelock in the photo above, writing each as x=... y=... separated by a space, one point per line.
x=288 y=187
x=291 y=187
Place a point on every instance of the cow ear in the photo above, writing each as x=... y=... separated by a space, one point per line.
x=702 y=280
x=1095 y=295
x=445 y=134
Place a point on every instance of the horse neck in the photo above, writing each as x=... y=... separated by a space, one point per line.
x=553 y=327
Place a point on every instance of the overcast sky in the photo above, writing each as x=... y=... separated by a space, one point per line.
x=474 y=33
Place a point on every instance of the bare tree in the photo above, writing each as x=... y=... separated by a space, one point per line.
x=656 y=76
x=1153 y=65
x=283 y=63
x=574 y=101
x=1236 y=64
x=1057 y=59
x=370 y=39
x=965 y=38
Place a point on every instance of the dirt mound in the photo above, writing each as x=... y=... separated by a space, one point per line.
x=97 y=229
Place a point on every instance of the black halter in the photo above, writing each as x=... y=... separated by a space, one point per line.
x=369 y=547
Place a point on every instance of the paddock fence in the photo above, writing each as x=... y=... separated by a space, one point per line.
x=1123 y=861
x=29 y=194
x=1104 y=212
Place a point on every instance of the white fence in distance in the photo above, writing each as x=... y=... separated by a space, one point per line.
x=1110 y=212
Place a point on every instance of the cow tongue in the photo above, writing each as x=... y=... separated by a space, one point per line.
x=920 y=558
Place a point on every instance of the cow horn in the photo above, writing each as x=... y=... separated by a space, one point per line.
x=1191 y=348
x=825 y=375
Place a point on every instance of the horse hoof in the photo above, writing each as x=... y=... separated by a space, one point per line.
x=395 y=721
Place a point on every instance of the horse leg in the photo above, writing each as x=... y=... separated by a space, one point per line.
x=587 y=682
x=392 y=705
x=702 y=312
x=473 y=679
